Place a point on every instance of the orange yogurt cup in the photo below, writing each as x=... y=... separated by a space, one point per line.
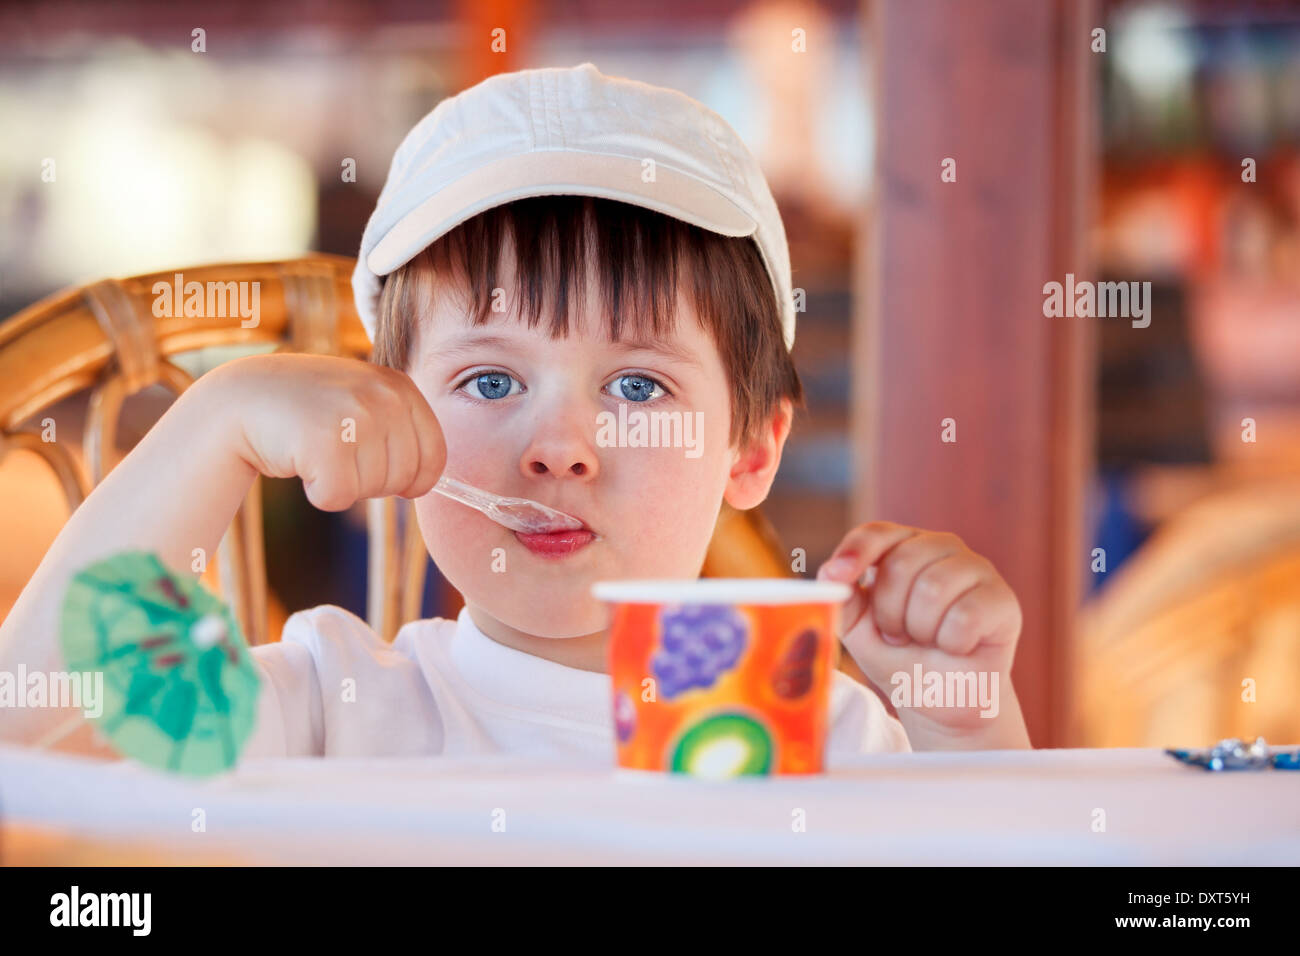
x=722 y=677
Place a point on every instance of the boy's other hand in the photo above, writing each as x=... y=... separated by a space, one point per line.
x=350 y=430
x=927 y=599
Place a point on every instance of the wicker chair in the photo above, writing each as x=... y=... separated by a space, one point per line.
x=104 y=337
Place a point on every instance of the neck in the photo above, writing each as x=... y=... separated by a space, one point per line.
x=586 y=652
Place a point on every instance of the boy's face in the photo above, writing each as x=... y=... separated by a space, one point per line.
x=522 y=414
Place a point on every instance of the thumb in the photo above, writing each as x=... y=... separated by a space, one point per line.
x=877 y=655
x=844 y=569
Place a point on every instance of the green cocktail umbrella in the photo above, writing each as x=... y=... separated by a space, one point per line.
x=179 y=688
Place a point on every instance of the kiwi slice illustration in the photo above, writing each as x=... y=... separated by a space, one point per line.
x=725 y=745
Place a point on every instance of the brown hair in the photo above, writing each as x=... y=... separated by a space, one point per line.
x=638 y=256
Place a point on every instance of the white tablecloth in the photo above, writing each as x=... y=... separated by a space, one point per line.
x=1001 y=807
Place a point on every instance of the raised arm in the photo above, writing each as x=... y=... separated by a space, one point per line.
x=180 y=487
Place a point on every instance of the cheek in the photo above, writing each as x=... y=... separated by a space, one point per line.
x=666 y=506
x=460 y=541
x=463 y=432
x=469 y=457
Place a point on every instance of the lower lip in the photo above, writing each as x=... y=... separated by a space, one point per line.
x=557 y=544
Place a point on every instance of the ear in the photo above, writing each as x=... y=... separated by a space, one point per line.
x=754 y=467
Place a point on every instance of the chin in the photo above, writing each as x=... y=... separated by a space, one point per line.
x=582 y=617
x=542 y=609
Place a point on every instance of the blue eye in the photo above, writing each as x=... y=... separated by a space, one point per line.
x=491 y=385
x=639 y=388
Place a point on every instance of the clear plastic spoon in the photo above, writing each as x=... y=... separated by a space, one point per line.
x=517 y=514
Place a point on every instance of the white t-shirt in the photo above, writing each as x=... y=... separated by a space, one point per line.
x=331 y=687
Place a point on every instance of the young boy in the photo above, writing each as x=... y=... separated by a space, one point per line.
x=550 y=245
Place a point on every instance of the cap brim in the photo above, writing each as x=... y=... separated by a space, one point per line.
x=557 y=173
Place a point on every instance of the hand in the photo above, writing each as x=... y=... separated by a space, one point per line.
x=349 y=429
x=932 y=602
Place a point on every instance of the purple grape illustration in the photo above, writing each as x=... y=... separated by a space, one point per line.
x=697 y=643
x=624 y=716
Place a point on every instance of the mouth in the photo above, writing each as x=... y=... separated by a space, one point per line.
x=556 y=544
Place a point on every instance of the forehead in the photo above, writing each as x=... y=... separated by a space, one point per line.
x=504 y=315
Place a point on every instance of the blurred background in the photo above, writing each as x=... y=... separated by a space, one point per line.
x=1139 y=487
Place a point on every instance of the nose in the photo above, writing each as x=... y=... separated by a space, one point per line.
x=563 y=448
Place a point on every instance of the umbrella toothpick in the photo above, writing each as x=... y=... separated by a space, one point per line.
x=180 y=688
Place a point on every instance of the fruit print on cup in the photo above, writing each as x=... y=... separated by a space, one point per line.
x=722 y=678
x=697 y=643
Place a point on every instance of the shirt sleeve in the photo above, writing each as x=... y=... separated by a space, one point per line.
x=290 y=717
x=332 y=687
x=860 y=724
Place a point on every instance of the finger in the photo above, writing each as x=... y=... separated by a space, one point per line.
x=936 y=589
x=403 y=450
x=861 y=548
x=851 y=561
x=853 y=612
x=331 y=482
x=432 y=448
x=977 y=616
x=898 y=571
x=368 y=466
x=878 y=656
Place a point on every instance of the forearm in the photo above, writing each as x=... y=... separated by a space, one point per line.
x=175 y=492
x=1006 y=731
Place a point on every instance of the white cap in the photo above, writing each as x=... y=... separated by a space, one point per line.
x=573 y=132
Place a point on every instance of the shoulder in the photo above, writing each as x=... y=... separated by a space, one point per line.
x=327 y=629
x=344 y=691
x=315 y=645
x=328 y=624
x=859 y=721
x=432 y=631
x=334 y=639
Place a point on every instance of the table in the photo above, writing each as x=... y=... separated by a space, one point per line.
x=995 y=807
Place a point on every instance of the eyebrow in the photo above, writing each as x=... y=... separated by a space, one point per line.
x=668 y=349
x=469 y=344
x=487 y=340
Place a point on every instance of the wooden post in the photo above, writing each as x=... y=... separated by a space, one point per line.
x=950 y=320
x=497 y=34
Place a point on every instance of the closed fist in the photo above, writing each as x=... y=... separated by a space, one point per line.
x=350 y=430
